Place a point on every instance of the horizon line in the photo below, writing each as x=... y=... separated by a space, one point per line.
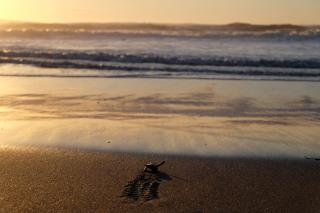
x=5 y=21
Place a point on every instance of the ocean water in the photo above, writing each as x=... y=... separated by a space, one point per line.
x=236 y=51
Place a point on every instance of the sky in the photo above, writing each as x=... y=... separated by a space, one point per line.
x=163 y=11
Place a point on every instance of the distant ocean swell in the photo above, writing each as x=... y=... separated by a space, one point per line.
x=282 y=32
x=273 y=35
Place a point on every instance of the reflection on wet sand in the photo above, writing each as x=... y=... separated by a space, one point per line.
x=198 y=122
x=104 y=106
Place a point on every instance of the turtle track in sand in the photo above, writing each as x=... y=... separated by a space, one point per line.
x=145 y=186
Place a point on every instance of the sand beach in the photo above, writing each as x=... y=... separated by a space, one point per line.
x=52 y=180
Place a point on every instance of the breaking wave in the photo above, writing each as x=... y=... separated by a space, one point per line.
x=80 y=59
x=102 y=64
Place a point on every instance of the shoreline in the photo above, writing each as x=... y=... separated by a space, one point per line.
x=157 y=77
x=67 y=180
x=177 y=156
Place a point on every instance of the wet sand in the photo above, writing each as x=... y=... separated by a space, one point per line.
x=52 y=180
x=164 y=116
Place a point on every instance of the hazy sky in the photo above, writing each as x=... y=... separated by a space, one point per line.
x=163 y=11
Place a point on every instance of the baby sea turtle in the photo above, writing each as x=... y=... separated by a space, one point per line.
x=152 y=167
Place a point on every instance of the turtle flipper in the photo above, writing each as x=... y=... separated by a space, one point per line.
x=160 y=164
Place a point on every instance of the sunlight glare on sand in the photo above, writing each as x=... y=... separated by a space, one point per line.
x=148 y=116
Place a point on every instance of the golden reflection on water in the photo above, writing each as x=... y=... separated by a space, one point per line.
x=189 y=117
